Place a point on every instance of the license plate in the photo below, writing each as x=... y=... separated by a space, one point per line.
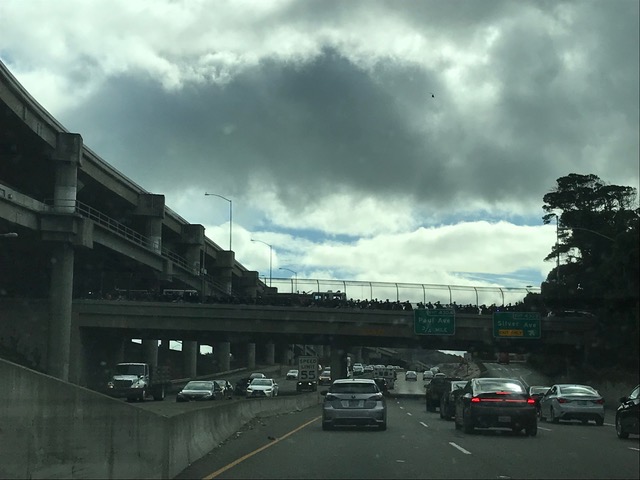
x=504 y=419
x=354 y=403
x=582 y=402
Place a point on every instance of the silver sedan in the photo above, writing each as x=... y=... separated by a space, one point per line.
x=572 y=402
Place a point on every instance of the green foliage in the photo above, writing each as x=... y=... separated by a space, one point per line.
x=597 y=253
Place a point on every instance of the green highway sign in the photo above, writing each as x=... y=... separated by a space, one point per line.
x=525 y=325
x=439 y=321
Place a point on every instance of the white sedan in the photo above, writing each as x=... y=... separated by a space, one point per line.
x=262 y=387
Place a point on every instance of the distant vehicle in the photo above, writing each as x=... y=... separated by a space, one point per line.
x=241 y=386
x=628 y=414
x=138 y=381
x=262 y=387
x=358 y=369
x=368 y=368
x=411 y=376
x=257 y=375
x=449 y=397
x=225 y=387
x=306 y=386
x=435 y=389
x=325 y=378
x=503 y=358
x=354 y=402
x=427 y=375
x=537 y=392
x=572 y=402
x=199 y=390
x=495 y=403
x=292 y=374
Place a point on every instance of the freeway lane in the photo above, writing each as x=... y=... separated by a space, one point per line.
x=417 y=444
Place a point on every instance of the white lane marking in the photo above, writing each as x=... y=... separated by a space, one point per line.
x=634 y=448
x=609 y=424
x=467 y=452
x=545 y=429
x=409 y=413
x=401 y=408
x=424 y=425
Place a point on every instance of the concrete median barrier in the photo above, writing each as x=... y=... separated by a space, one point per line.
x=52 y=429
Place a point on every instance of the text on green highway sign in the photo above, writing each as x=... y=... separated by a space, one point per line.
x=437 y=321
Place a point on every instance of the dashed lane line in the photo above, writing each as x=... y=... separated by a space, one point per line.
x=609 y=424
x=545 y=429
x=466 y=452
x=409 y=413
x=424 y=425
x=634 y=448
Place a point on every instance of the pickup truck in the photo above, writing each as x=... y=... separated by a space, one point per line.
x=434 y=390
x=139 y=381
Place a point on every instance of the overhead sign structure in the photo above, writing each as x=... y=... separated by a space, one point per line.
x=525 y=325
x=308 y=368
x=436 y=321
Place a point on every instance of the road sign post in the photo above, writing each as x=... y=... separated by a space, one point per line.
x=524 y=325
x=437 y=321
x=308 y=369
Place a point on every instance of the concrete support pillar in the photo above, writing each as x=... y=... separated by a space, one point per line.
x=150 y=351
x=151 y=208
x=269 y=354
x=194 y=239
x=223 y=269
x=248 y=284
x=60 y=296
x=222 y=351
x=338 y=363
x=190 y=358
x=164 y=352
x=251 y=355
x=282 y=354
x=67 y=155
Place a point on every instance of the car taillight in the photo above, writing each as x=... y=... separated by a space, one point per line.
x=531 y=401
x=329 y=398
x=475 y=400
x=599 y=401
x=376 y=397
x=562 y=400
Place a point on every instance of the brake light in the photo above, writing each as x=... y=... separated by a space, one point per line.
x=563 y=400
x=531 y=401
x=475 y=400
x=599 y=401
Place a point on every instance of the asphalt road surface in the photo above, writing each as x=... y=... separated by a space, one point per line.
x=416 y=444
x=419 y=444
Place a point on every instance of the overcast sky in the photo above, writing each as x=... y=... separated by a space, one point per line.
x=371 y=140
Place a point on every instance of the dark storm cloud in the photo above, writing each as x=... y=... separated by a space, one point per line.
x=564 y=76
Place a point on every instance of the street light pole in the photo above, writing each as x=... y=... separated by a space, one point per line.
x=295 y=274
x=230 y=213
x=270 y=257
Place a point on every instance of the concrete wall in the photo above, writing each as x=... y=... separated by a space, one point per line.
x=52 y=429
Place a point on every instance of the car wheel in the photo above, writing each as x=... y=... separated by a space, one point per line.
x=532 y=431
x=599 y=421
x=541 y=417
x=382 y=426
x=619 y=430
x=552 y=416
x=455 y=423
x=441 y=409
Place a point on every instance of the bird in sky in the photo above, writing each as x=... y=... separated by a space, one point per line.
x=432 y=95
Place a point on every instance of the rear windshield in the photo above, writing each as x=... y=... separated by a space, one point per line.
x=492 y=386
x=198 y=386
x=354 y=388
x=577 y=390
